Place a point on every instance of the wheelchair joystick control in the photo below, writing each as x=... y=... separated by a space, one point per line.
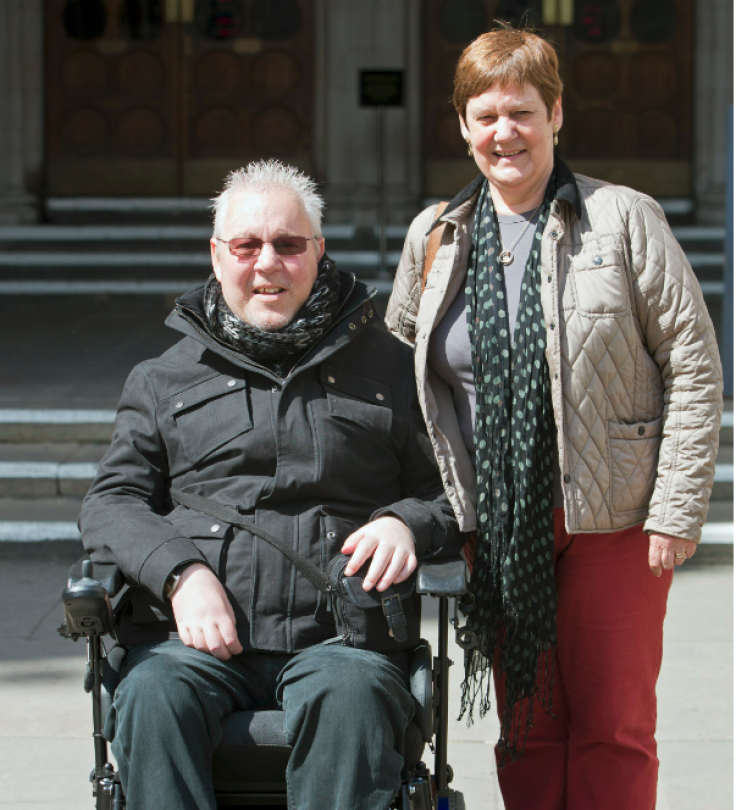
x=87 y=608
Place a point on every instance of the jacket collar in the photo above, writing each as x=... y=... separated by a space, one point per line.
x=567 y=190
x=188 y=317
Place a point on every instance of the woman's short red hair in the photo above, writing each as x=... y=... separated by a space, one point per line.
x=504 y=57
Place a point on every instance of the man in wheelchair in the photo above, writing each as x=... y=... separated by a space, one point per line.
x=287 y=401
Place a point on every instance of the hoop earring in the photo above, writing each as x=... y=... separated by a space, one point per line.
x=470 y=148
x=555 y=130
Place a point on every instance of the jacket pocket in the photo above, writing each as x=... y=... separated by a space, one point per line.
x=360 y=400
x=600 y=281
x=334 y=531
x=633 y=453
x=208 y=534
x=210 y=414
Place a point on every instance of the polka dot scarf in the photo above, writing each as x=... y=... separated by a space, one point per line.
x=514 y=613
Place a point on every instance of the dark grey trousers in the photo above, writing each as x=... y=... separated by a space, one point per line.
x=345 y=714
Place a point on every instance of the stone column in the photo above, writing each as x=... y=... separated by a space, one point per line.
x=21 y=102
x=713 y=88
x=354 y=35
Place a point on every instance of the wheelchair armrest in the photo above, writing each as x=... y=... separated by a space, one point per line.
x=107 y=574
x=446 y=577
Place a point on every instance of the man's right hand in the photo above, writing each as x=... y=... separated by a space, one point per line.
x=204 y=615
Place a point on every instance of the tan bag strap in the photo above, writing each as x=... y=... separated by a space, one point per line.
x=433 y=244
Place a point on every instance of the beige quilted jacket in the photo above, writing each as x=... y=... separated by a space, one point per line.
x=632 y=354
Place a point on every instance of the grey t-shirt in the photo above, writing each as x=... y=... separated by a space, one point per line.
x=510 y=226
x=449 y=345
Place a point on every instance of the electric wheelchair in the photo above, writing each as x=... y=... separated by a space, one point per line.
x=249 y=765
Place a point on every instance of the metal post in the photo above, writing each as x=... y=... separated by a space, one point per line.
x=95 y=644
x=440 y=743
x=727 y=306
x=382 y=192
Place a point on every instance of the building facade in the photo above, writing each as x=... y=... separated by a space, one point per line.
x=163 y=97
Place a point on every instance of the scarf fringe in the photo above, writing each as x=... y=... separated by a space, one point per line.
x=517 y=717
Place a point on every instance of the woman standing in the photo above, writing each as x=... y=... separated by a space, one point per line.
x=570 y=380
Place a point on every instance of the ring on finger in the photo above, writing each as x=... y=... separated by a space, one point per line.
x=681 y=556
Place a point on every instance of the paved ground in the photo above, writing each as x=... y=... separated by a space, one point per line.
x=45 y=718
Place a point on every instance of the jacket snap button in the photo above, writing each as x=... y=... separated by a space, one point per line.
x=275 y=389
x=370 y=314
x=352 y=326
x=641 y=430
x=551 y=326
x=566 y=479
x=230 y=383
x=331 y=380
x=380 y=397
x=364 y=319
x=330 y=535
x=597 y=261
x=215 y=527
x=179 y=405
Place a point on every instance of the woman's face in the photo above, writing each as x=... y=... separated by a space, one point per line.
x=511 y=135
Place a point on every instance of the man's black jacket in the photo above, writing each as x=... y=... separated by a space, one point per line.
x=310 y=457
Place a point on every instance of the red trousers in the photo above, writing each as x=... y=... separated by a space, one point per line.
x=598 y=751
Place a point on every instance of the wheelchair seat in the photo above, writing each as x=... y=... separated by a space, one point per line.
x=253 y=753
x=249 y=765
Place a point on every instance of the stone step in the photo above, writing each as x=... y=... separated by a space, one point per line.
x=28 y=425
x=125 y=234
x=41 y=479
x=116 y=259
x=20 y=425
x=42 y=531
x=708 y=237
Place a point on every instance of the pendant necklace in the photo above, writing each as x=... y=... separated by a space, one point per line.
x=507 y=256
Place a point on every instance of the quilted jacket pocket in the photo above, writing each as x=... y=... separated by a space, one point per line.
x=601 y=283
x=633 y=453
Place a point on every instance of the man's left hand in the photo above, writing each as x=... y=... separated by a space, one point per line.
x=666 y=551
x=391 y=544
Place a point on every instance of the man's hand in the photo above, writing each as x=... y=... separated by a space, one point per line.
x=204 y=615
x=391 y=544
x=665 y=551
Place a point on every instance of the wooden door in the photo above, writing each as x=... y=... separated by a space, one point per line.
x=112 y=84
x=164 y=97
x=627 y=69
x=247 y=70
x=628 y=98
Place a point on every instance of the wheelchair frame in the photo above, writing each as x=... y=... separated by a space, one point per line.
x=88 y=614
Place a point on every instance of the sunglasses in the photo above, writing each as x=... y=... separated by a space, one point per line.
x=252 y=246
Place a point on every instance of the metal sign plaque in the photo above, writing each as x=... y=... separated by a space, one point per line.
x=381 y=88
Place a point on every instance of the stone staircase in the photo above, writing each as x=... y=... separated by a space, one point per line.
x=127 y=259
x=49 y=459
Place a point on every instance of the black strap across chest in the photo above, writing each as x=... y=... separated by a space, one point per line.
x=216 y=510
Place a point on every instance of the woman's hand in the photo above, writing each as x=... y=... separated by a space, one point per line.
x=391 y=544
x=664 y=550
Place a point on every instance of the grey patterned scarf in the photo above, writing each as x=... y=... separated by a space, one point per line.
x=514 y=614
x=309 y=324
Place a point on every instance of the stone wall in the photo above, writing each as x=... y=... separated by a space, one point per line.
x=713 y=95
x=21 y=102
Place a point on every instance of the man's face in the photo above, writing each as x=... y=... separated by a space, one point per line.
x=266 y=290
